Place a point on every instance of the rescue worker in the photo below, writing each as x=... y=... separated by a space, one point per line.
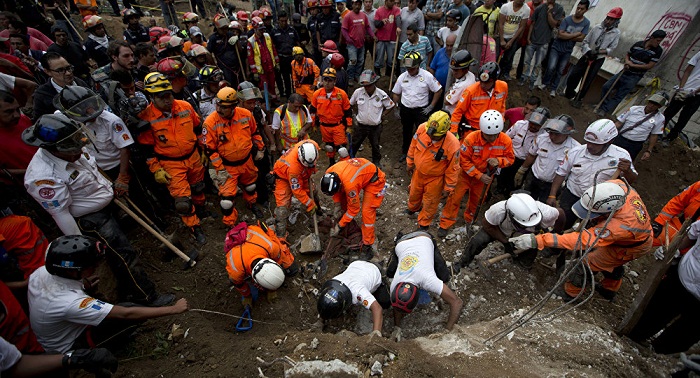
x=14 y=324
x=639 y=124
x=359 y=284
x=545 y=155
x=328 y=24
x=681 y=206
x=305 y=74
x=176 y=71
x=344 y=181
x=581 y=166
x=262 y=58
x=291 y=123
x=433 y=164
x=417 y=264
x=627 y=237
x=63 y=178
x=292 y=173
x=519 y=214
x=97 y=41
x=198 y=55
x=412 y=92
x=459 y=64
x=211 y=79
x=22 y=249
x=261 y=257
x=488 y=93
x=231 y=141
x=175 y=160
x=285 y=38
x=333 y=113
x=373 y=104
x=338 y=61
x=134 y=31
x=190 y=19
x=227 y=47
x=481 y=155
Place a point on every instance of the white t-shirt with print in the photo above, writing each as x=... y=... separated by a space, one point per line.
x=416 y=265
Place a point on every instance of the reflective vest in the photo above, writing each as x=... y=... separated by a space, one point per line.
x=256 y=53
x=291 y=124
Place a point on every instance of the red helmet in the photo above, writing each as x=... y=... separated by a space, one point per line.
x=156 y=32
x=325 y=3
x=91 y=21
x=255 y=13
x=170 y=67
x=615 y=13
x=220 y=21
x=168 y=42
x=265 y=13
x=337 y=60
x=242 y=15
x=312 y=4
x=329 y=47
x=257 y=23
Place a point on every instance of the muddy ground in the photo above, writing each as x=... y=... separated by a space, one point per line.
x=580 y=343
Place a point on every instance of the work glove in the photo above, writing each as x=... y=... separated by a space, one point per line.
x=519 y=176
x=493 y=162
x=684 y=94
x=98 y=361
x=204 y=159
x=247 y=302
x=222 y=176
x=335 y=230
x=526 y=241
x=509 y=248
x=659 y=254
x=121 y=185
x=427 y=110
x=256 y=77
x=396 y=335
x=259 y=155
x=312 y=210
x=375 y=333
x=162 y=177
x=232 y=41
x=397 y=114
x=486 y=179
x=657 y=227
x=271 y=296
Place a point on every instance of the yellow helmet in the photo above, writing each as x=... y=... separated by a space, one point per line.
x=296 y=50
x=156 y=82
x=412 y=59
x=330 y=72
x=438 y=124
x=227 y=95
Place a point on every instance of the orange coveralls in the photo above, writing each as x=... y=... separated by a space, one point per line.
x=473 y=156
x=15 y=327
x=293 y=178
x=627 y=237
x=685 y=204
x=475 y=101
x=22 y=239
x=355 y=175
x=330 y=109
x=229 y=143
x=431 y=177
x=305 y=76
x=175 y=145
x=260 y=243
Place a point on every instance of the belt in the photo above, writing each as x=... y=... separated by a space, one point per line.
x=236 y=163
x=178 y=158
x=330 y=124
x=362 y=124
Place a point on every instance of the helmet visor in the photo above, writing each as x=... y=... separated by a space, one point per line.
x=249 y=94
x=75 y=142
x=557 y=126
x=87 y=109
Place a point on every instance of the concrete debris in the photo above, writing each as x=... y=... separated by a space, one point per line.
x=376 y=368
x=314 y=343
x=316 y=368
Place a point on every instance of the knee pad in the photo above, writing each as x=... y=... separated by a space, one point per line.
x=250 y=188
x=616 y=274
x=281 y=213
x=343 y=152
x=329 y=147
x=226 y=204
x=183 y=205
x=197 y=187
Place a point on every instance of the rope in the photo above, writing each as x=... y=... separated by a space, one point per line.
x=234 y=316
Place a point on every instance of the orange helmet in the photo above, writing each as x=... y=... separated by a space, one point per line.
x=330 y=72
x=91 y=21
x=170 y=67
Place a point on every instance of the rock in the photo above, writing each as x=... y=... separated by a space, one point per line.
x=634 y=274
x=299 y=347
x=316 y=368
x=391 y=356
x=346 y=333
x=279 y=342
x=376 y=368
x=672 y=173
x=314 y=343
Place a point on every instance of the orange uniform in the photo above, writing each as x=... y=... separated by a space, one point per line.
x=175 y=150
x=14 y=324
x=305 y=76
x=293 y=178
x=355 y=175
x=21 y=238
x=628 y=236
x=86 y=12
x=431 y=177
x=684 y=205
x=229 y=143
x=260 y=243
x=473 y=156
x=333 y=113
x=475 y=101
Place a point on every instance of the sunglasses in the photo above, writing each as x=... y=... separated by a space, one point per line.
x=63 y=70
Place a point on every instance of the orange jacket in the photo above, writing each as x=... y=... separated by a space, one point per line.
x=230 y=141
x=475 y=152
x=686 y=203
x=330 y=109
x=475 y=101
x=355 y=175
x=306 y=72
x=421 y=156
x=171 y=136
x=629 y=230
x=290 y=169
x=259 y=244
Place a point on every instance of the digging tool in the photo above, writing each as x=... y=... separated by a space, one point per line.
x=311 y=242
x=609 y=90
x=245 y=323
x=482 y=199
x=393 y=62
x=577 y=102
x=374 y=53
x=70 y=22
x=190 y=261
x=240 y=62
x=143 y=215
x=484 y=265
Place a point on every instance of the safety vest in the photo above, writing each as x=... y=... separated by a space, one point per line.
x=256 y=52
x=290 y=124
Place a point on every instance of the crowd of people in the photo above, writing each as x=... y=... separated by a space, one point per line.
x=162 y=117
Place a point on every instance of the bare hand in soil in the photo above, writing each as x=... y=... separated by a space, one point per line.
x=181 y=306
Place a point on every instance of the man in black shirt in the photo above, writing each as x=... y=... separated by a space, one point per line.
x=72 y=51
x=284 y=38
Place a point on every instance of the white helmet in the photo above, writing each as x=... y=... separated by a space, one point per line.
x=600 y=132
x=268 y=274
x=491 y=122
x=308 y=154
x=608 y=197
x=522 y=209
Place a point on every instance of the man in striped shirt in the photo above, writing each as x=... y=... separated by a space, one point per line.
x=417 y=43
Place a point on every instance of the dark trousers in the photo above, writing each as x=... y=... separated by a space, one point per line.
x=539 y=190
x=631 y=146
x=687 y=109
x=133 y=283
x=507 y=175
x=670 y=301
x=521 y=61
x=410 y=119
x=202 y=10
x=576 y=75
x=374 y=133
x=481 y=240
x=507 y=59
x=115 y=6
x=261 y=188
x=623 y=87
x=284 y=78
x=566 y=200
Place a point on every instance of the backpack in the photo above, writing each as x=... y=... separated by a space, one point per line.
x=235 y=236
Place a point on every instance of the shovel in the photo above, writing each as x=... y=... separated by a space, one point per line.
x=312 y=242
x=484 y=265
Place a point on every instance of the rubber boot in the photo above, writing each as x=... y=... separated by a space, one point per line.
x=199 y=235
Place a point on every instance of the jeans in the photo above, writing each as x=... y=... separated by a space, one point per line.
x=555 y=68
x=507 y=59
x=356 y=58
x=532 y=71
x=385 y=53
x=374 y=133
x=577 y=73
x=623 y=87
x=688 y=107
x=169 y=14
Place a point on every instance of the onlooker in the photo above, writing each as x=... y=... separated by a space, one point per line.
x=134 y=31
x=462 y=8
x=434 y=12
x=97 y=41
x=356 y=29
x=169 y=14
x=72 y=51
x=511 y=24
x=386 y=20
x=59 y=13
x=6 y=17
x=285 y=38
x=417 y=43
x=686 y=99
x=122 y=59
x=369 y=10
x=489 y=13
x=146 y=58
x=514 y=115
x=640 y=123
x=440 y=66
x=411 y=15
x=546 y=17
x=15 y=26
x=451 y=27
x=14 y=154
x=61 y=74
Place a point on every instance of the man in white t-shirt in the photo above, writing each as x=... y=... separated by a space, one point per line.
x=686 y=100
x=417 y=264
x=640 y=123
x=511 y=23
x=520 y=214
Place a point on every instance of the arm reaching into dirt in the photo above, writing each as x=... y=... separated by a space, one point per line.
x=455 y=303
x=377 y=317
x=143 y=313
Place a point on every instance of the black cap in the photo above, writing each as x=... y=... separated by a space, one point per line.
x=658 y=34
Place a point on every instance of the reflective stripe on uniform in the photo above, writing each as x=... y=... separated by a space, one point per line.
x=633 y=229
x=263 y=237
x=359 y=170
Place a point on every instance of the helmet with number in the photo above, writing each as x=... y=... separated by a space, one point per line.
x=539 y=116
x=267 y=274
x=248 y=91
x=325 y=3
x=220 y=21
x=296 y=50
x=404 y=297
x=659 y=98
x=242 y=15
x=600 y=199
x=56 y=131
x=128 y=14
x=491 y=122
x=156 y=32
x=190 y=18
x=265 y=13
x=330 y=183
x=438 y=124
x=79 y=103
x=170 y=67
x=210 y=74
x=308 y=154
x=368 y=77
x=156 y=82
x=600 y=132
x=257 y=23
x=489 y=71
x=412 y=59
x=454 y=14
x=73 y=253
x=227 y=96
x=337 y=60
x=197 y=50
x=561 y=124
x=523 y=211
x=462 y=60
x=329 y=47
x=330 y=72
x=615 y=13
x=91 y=21
x=333 y=299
